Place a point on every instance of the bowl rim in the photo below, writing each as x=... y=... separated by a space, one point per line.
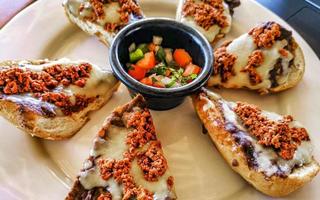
x=134 y=84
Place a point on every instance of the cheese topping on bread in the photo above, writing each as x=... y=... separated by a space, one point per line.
x=54 y=88
x=262 y=156
x=111 y=15
x=127 y=160
x=211 y=18
x=262 y=59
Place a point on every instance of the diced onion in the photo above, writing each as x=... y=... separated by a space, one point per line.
x=176 y=84
x=166 y=80
x=157 y=40
x=169 y=57
x=157 y=48
x=132 y=47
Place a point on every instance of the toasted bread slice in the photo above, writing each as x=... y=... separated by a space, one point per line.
x=126 y=161
x=102 y=18
x=296 y=73
x=213 y=26
x=48 y=105
x=258 y=62
x=247 y=152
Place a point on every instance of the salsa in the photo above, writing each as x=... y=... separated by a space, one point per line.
x=156 y=66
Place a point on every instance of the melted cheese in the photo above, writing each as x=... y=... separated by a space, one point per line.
x=210 y=34
x=214 y=30
x=24 y=64
x=266 y=157
x=28 y=99
x=110 y=10
x=73 y=6
x=111 y=13
x=159 y=188
x=99 y=84
x=34 y=104
x=113 y=148
x=207 y=106
x=87 y=9
x=91 y=178
x=96 y=27
x=226 y=13
x=242 y=47
x=285 y=62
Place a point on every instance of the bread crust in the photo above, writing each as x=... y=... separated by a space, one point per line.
x=77 y=191
x=90 y=28
x=297 y=73
x=274 y=186
x=27 y=118
x=295 y=76
x=179 y=18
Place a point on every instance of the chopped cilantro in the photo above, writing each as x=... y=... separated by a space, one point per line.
x=129 y=66
x=193 y=76
x=161 y=55
x=160 y=69
x=154 y=79
x=172 y=82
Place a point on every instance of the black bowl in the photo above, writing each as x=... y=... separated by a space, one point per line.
x=175 y=35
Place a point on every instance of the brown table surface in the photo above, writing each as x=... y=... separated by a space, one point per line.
x=9 y=8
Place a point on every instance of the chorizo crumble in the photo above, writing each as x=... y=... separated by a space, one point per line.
x=127 y=8
x=265 y=35
x=64 y=101
x=170 y=182
x=206 y=13
x=223 y=64
x=105 y=196
x=276 y=134
x=97 y=7
x=152 y=161
x=283 y=53
x=120 y=171
x=255 y=60
x=106 y=168
x=74 y=74
x=144 y=130
x=16 y=80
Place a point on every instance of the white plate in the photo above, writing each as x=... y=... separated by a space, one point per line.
x=32 y=168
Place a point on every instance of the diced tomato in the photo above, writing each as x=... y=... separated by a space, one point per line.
x=181 y=57
x=191 y=69
x=137 y=72
x=152 y=47
x=167 y=73
x=148 y=61
x=159 y=84
x=147 y=81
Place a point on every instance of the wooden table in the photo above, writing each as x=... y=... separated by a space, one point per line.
x=9 y=8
